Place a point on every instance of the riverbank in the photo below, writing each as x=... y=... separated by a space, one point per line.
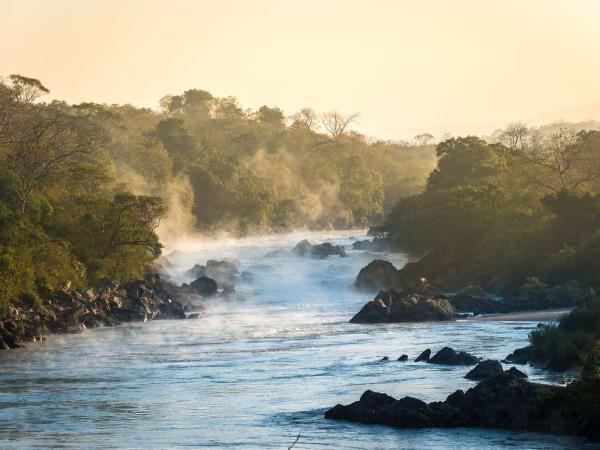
x=70 y=311
x=525 y=316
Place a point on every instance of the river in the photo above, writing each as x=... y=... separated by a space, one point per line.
x=251 y=373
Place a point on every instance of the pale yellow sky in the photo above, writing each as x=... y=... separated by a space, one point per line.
x=407 y=66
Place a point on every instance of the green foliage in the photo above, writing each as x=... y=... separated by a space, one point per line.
x=573 y=339
x=491 y=215
x=63 y=220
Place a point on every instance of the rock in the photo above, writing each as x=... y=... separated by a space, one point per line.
x=224 y=272
x=503 y=401
x=275 y=254
x=516 y=373
x=424 y=356
x=321 y=251
x=448 y=356
x=375 y=245
x=403 y=358
x=391 y=306
x=485 y=369
x=204 y=286
x=385 y=359
x=522 y=355
x=377 y=275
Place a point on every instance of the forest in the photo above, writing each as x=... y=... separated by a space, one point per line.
x=522 y=213
x=88 y=190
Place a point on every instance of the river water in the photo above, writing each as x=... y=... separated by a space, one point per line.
x=252 y=373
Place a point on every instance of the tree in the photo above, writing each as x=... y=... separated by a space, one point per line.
x=423 y=139
x=272 y=116
x=336 y=123
x=131 y=220
x=46 y=140
x=514 y=136
x=565 y=160
x=306 y=119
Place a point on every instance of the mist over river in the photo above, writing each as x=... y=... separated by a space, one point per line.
x=252 y=373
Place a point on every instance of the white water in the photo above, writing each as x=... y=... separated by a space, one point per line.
x=249 y=374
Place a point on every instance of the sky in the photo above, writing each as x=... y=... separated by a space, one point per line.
x=407 y=66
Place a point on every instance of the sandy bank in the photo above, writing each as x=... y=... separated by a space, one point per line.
x=546 y=314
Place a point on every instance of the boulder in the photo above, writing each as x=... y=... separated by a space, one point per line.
x=424 y=356
x=522 y=355
x=485 y=369
x=450 y=357
x=403 y=358
x=377 y=275
x=204 y=286
x=224 y=272
x=391 y=306
x=320 y=251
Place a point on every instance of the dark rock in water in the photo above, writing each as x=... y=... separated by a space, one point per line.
x=516 y=372
x=403 y=358
x=193 y=316
x=385 y=358
x=522 y=355
x=424 y=356
x=391 y=306
x=504 y=401
x=204 y=286
x=223 y=272
x=321 y=251
x=448 y=356
x=375 y=245
x=485 y=369
x=377 y=275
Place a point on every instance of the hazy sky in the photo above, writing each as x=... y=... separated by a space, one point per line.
x=407 y=66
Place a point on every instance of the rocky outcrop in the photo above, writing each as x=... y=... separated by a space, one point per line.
x=69 y=311
x=392 y=306
x=553 y=362
x=485 y=369
x=224 y=272
x=320 y=251
x=448 y=356
x=374 y=245
x=377 y=275
x=504 y=401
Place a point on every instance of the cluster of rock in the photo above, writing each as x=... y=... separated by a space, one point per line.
x=382 y=275
x=391 y=306
x=321 y=251
x=505 y=401
x=69 y=311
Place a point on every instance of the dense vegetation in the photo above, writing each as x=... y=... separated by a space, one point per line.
x=519 y=216
x=83 y=188
x=573 y=340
